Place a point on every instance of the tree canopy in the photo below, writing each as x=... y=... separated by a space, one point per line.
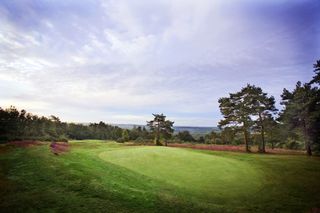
x=245 y=109
x=302 y=110
x=161 y=128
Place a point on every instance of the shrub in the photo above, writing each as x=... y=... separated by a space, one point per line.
x=63 y=139
x=293 y=144
x=120 y=140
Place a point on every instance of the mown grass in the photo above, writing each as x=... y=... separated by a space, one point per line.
x=97 y=176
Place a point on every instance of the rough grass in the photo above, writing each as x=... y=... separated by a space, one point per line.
x=97 y=176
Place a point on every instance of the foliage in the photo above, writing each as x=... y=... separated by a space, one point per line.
x=161 y=128
x=262 y=110
x=316 y=77
x=201 y=139
x=302 y=111
x=125 y=135
x=245 y=110
x=185 y=136
x=228 y=135
x=138 y=132
x=20 y=125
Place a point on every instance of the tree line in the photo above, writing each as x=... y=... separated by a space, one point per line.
x=251 y=113
x=249 y=117
x=21 y=125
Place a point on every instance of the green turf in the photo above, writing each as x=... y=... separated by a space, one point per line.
x=105 y=176
x=205 y=175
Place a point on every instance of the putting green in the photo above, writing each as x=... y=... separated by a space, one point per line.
x=201 y=174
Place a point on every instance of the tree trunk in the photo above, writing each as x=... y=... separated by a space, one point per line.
x=271 y=139
x=309 y=151
x=245 y=132
x=306 y=139
x=158 y=135
x=263 y=145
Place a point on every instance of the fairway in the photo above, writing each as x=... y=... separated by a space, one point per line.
x=104 y=176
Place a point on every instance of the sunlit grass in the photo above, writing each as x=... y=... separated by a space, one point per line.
x=107 y=176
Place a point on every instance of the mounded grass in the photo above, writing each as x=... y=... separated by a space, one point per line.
x=204 y=175
x=96 y=176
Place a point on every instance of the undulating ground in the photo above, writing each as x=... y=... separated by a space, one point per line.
x=101 y=176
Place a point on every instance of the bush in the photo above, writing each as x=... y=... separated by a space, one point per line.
x=219 y=141
x=120 y=140
x=48 y=138
x=4 y=139
x=185 y=136
x=293 y=144
x=201 y=139
x=63 y=138
x=237 y=141
x=140 y=140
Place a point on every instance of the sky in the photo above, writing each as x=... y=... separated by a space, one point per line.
x=119 y=61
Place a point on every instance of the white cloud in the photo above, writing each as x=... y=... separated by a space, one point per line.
x=123 y=60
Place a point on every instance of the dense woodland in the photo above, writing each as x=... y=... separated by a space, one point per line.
x=20 y=125
x=249 y=118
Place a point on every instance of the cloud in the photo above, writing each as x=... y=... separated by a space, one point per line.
x=123 y=60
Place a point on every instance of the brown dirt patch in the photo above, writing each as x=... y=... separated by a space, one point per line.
x=59 y=147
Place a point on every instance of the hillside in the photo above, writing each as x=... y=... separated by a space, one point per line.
x=100 y=176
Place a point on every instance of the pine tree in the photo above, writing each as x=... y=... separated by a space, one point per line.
x=302 y=112
x=245 y=110
x=236 y=114
x=161 y=128
x=261 y=108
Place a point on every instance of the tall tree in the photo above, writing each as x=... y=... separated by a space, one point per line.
x=161 y=128
x=236 y=113
x=315 y=82
x=316 y=78
x=302 y=112
x=261 y=106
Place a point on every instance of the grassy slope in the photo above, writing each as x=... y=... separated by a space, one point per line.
x=97 y=176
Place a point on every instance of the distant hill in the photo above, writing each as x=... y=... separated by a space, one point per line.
x=129 y=126
x=191 y=129
x=195 y=129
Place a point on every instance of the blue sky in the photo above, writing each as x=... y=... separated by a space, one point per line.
x=121 y=60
